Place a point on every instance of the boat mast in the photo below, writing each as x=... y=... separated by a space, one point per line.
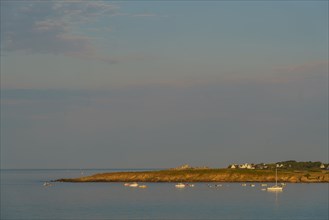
x=276 y=175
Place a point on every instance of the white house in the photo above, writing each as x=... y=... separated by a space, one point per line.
x=242 y=166
x=246 y=166
x=233 y=166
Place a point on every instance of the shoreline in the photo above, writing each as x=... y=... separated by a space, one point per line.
x=207 y=175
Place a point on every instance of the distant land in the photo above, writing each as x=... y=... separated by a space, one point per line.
x=288 y=171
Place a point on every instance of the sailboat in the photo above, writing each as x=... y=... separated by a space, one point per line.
x=276 y=187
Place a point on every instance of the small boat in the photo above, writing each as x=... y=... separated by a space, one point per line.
x=126 y=184
x=143 y=186
x=47 y=184
x=180 y=185
x=263 y=184
x=133 y=185
x=190 y=185
x=252 y=185
x=243 y=184
x=218 y=185
x=276 y=187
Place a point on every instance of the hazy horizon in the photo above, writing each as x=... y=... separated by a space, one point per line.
x=101 y=84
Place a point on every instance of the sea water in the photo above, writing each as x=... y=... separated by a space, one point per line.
x=23 y=196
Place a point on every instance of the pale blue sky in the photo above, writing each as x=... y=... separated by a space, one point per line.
x=101 y=84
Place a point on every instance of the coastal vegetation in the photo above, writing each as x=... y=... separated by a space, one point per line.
x=309 y=165
x=284 y=165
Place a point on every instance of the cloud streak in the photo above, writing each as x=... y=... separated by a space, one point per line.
x=48 y=27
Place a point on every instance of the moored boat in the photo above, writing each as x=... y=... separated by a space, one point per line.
x=133 y=185
x=180 y=185
x=47 y=184
x=276 y=187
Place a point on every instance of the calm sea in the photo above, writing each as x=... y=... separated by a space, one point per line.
x=23 y=196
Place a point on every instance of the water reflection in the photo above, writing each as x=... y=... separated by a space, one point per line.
x=277 y=193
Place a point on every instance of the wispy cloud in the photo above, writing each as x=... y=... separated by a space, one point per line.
x=48 y=27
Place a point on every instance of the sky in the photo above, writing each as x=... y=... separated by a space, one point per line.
x=143 y=84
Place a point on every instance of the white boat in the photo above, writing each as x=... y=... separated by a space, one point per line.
x=276 y=187
x=180 y=185
x=263 y=184
x=142 y=186
x=133 y=185
x=47 y=184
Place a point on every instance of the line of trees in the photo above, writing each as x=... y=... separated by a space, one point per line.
x=292 y=164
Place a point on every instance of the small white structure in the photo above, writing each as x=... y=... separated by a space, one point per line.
x=233 y=166
x=322 y=166
x=243 y=166
x=183 y=167
x=246 y=166
x=250 y=166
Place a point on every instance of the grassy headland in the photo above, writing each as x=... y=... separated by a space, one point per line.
x=209 y=175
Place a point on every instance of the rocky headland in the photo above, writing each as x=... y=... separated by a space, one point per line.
x=208 y=175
